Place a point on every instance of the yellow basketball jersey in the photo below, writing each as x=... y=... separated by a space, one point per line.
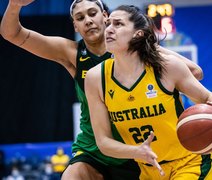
x=146 y=106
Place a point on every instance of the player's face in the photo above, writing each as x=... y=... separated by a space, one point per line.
x=89 y=20
x=119 y=32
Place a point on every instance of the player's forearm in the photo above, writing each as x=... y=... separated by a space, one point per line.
x=194 y=68
x=116 y=149
x=10 y=25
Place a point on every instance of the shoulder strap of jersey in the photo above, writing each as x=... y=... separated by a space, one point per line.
x=80 y=48
x=103 y=78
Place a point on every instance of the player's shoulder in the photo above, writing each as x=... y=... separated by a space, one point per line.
x=94 y=72
x=71 y=43
x=93 y=79
x=175 y=69
x=172 y=62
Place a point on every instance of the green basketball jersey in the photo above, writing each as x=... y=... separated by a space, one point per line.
x=85 y=140
x=146 y=106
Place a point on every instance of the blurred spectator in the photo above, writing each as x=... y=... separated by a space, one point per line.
x=15 y=174
x=47 y=173
x=59 y=161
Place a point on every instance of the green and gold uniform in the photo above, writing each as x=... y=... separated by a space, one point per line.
x=84 y=148
x=147 y=106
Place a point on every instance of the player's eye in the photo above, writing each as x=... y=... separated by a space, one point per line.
x=108 y=23
x=118 y=24
x=92 y=13
x=79 y=18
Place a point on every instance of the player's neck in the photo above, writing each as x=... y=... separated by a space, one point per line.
x=128 y=69
x=97 y=48
x=128 y=62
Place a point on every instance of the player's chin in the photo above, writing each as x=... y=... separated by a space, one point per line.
x=110 y=49
x=94 y=37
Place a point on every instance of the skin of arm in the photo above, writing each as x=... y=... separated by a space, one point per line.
x=102 y=127
x=194 y=68
x=179 y=76
x=57 y=49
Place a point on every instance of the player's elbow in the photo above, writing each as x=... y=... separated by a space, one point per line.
x=10 y=35
x=102 y=145
x=198 y=73
x=5 y=34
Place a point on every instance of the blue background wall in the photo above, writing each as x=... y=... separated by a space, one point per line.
x=196 y=22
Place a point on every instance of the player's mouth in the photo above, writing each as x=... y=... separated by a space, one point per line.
x=109 y=39
x=92 y=30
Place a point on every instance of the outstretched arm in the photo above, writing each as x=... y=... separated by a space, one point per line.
x=194 y=68
x=57 y=49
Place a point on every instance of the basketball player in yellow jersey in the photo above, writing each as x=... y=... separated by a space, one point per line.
x=137 y=93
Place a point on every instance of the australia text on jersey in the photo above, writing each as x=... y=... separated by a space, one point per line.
x=137 y=113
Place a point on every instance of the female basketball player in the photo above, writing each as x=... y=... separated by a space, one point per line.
x=138 y=93
x=89 y=19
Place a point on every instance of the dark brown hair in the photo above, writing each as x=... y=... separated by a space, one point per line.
x=146 y=45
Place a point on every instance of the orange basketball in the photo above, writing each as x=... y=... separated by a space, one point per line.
x=194 y=128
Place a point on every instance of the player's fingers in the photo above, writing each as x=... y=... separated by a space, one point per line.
x=150 y=138
x=157 y=165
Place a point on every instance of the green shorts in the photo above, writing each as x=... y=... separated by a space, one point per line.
x=126 y=171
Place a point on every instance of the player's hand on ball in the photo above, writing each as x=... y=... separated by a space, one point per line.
x=148 y=155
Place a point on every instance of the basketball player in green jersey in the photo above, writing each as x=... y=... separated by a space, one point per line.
x=78 y=57
x=138 y=93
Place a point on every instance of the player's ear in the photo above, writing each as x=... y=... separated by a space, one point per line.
x=75 y=27
x=105 y=15
x=138 y=33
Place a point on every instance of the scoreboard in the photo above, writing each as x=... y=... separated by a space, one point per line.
x=162 y=15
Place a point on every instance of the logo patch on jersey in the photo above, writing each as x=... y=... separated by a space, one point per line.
x=151 y=93
x=111 y=93
x=84 y=52
x=131 y=98
x=83 y=59
x=77 y=153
